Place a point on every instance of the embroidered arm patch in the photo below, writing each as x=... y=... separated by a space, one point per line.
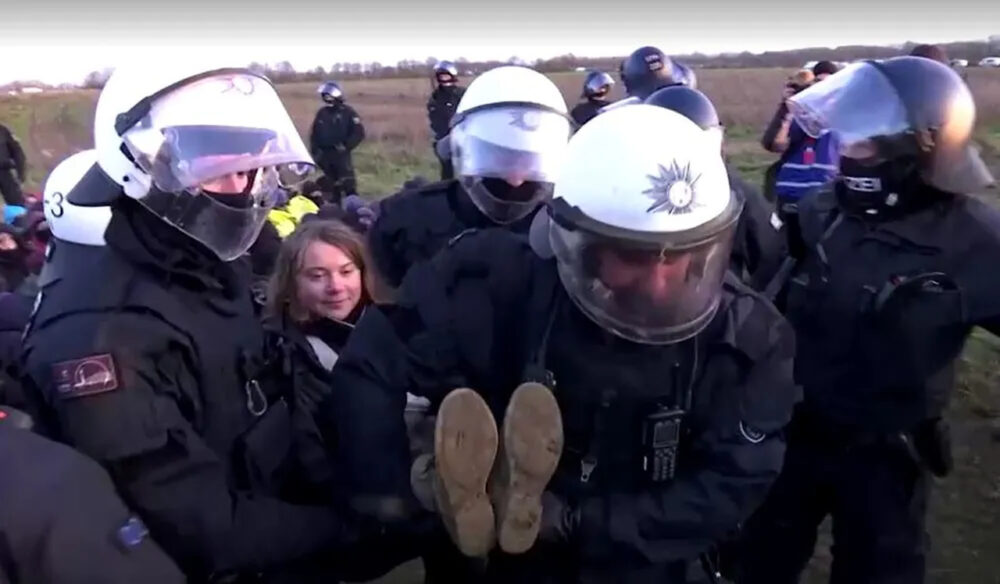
x=87 y=376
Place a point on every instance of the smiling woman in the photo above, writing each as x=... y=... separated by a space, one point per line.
x=321 y=285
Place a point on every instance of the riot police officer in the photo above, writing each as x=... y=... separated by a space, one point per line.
x=757 y=245
x=148 y=357
x=647 y=69
x=12 y=163
x=596 y=91
x=671 y=380
x=507 y=139
x=441 y=107
x=336 y=131
x=899 y=263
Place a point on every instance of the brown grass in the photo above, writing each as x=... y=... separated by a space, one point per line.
x=52 y=126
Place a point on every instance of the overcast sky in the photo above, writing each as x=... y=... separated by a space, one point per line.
x=62 y=40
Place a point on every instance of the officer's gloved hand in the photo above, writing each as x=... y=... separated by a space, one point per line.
x=358 y=213
x=559 y=521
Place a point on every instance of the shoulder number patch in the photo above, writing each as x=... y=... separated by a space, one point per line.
x=87 y=376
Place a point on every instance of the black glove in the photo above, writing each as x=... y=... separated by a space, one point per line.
x=560 y=522
x=359 y=214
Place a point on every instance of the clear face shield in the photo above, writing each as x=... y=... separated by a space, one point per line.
x=507 y=158
x=217 y=150
x=643 y=291
x=872 y=125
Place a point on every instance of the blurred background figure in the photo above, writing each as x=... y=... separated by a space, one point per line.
x=336 y=131
x=441 y=107
x=596 y=93
x=806 y=162
x=12 y=167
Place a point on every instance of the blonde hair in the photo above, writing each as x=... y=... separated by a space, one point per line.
x=281 y=290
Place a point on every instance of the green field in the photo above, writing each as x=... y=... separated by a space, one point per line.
x=965 y=516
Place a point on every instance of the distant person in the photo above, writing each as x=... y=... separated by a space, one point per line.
x=336 y=131
x=647 y=69
x=11 y=159
x=824 y=69
x=596 y=90
x=441 y=107
x=806 y=162
x=933 y=52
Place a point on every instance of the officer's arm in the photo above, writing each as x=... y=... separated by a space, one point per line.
x=412 y=346
x=357 y=131
x=314 y=145
x=384 y=243
x=733 y=462
x=123 y=398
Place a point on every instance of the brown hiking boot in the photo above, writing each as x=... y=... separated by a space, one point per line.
x=532 y=444
x=465 y=448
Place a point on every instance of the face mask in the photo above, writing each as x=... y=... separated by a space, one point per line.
x=877 y=187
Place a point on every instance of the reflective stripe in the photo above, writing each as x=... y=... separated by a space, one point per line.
x=784 y=183
x=796 y=166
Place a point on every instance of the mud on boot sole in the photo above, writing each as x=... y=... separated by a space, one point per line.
x=465 y=448
x=532 y=445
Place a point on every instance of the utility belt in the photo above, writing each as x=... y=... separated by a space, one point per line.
x=928 y=444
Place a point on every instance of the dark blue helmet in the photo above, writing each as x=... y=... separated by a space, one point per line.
x=331 y=92
x=597 y=84
x=446 y=73
x=686 y=76
x=690 y=103
x=646 y=70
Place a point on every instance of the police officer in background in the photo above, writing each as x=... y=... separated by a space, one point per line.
x=336 y=131
x=507 y=140
x=12 y=162
x=899 y=266
x=647 y=69
x=148 y=358
x=596 y=91
x=671 y=379
x=441 y=107
x=757 y=245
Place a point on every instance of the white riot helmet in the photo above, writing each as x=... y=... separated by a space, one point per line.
x=203 y=148
x=642 y=222
x=66 y=221
x=508 y=139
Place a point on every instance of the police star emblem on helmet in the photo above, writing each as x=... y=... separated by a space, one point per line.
x=524 y=120
x=673 y=190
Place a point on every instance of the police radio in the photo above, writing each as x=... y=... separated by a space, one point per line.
x=661 y=436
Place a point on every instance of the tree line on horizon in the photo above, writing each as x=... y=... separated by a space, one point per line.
x=285 y=72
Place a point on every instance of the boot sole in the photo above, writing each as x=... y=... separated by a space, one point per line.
x=465 y=448
x=533 y=442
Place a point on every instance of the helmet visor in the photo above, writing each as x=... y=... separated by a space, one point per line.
x=217 y=151
x=858 y=103
x=641 y=292
x=513 y=143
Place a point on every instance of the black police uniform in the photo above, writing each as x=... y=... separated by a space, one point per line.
x=336 y=131
x=441 y=108
x=61 y=521
x=12 y=160
x=415 y=224
x=488 y=313
x=148 y=358
x=882 y=305
x=587 y=110
x=758 y=243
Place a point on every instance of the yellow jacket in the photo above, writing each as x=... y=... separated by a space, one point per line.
x=286 y=219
